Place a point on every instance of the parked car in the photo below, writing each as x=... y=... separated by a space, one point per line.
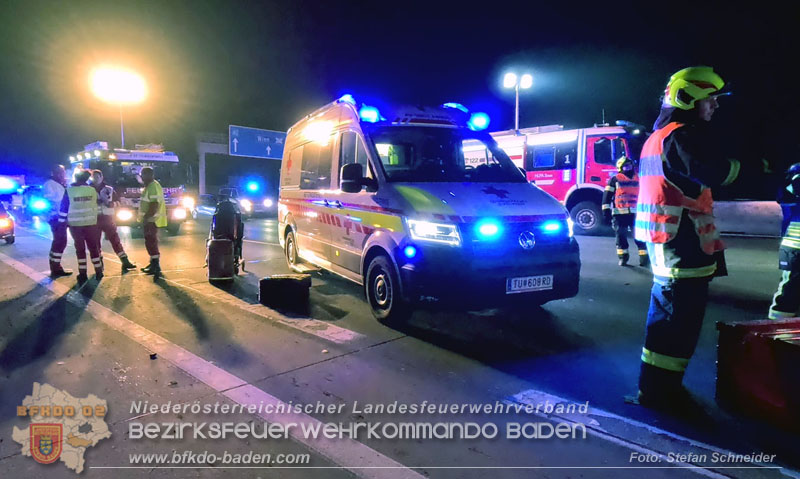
x=6 y=225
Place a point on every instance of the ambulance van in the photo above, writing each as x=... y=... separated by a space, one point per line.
x=386 y=199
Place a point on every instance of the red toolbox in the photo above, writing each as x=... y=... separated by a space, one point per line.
x=758 y=370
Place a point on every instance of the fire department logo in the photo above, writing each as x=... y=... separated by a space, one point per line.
x=46 y=442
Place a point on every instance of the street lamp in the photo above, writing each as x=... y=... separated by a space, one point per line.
x=119 y=87
x=511 y=80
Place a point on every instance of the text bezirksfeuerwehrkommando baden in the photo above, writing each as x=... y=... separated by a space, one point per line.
x=298 y=425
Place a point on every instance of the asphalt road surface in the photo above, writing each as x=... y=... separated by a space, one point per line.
x=217 y=344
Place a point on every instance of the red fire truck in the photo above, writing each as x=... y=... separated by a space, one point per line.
x=572 y=165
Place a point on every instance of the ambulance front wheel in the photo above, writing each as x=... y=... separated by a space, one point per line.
x=382 y=287
x=290 y=248
x=588 y=217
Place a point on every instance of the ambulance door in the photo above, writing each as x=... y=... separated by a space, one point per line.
x=602 y=153
x=351 y=225
x=313 y=224
x=553 y=167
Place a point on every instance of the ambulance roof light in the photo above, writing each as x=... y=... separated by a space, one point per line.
x=478 y=121
x=457 y=106
x=370 y=114
x=347 y=98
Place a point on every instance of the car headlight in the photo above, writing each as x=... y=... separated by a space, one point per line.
x=444 y=233
x=188 y=202
x=268 y=203
x=124 y=215
x=179 y=214
x=246 y=204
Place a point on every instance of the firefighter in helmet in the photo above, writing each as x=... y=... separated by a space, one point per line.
x=619 y=207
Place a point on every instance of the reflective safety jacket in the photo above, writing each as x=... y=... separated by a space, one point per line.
x=674 y=214
x=620 y=194
x=79 y=206
x=789 y=252
x=153 y=193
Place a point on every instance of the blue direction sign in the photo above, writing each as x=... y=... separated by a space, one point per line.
x=255 y=143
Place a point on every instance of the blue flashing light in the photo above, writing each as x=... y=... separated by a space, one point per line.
x=7 y=185
x=370 y=114
x=410 y=251
x=39 y=205
x=478 y=121
x=457 y=106
x=552 y=226
x=488 y=229
x=347 y=98
x=252 y=186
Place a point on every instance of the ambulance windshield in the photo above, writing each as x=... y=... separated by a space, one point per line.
x=431 y=154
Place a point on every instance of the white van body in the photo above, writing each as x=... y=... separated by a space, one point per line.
x=422 y=226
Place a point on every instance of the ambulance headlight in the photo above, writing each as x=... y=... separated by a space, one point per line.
x=247 y=205
x=443 y=233
x=124 y=215
x=179 y=214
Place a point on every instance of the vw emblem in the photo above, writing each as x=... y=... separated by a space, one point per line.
x=527 y=240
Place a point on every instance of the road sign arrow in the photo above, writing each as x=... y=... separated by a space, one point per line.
x=235 y=145
x=269 y=150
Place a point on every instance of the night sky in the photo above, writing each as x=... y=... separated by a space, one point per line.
x=209 y=64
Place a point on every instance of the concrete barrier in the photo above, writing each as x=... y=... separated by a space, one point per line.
x=757 y=218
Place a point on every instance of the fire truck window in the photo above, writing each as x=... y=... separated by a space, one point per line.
x=560 y=156
x=603 y=153
x=618 y=145
x=316 y=166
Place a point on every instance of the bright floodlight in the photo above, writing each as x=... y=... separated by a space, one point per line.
x=118 y=86
x=526 y=81
x=510 y=80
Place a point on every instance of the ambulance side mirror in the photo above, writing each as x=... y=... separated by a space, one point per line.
x=352 y=177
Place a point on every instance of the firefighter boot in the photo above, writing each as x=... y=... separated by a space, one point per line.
x=98 y=274
x=56 y=271
x=126 y=264
x=153 y=268
x=82 y=278
x=623 y=257
x=644 y=260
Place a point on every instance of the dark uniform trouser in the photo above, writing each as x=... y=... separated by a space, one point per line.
x=621 y=225
x=786 y=302
x=151 y=239
x=677 y=308
x=59 y=230
x=106 y=224
x=87 y=237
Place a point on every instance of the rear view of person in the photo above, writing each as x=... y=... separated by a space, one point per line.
x=79 y=212
x=105 y=219
x=153 y=215
x=54 y=189
x=619 y=206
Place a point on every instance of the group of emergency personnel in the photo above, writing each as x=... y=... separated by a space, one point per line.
x=669 y=206
x=86 y=209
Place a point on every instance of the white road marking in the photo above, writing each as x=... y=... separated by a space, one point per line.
x=261 y=242
x=351 y=455
x=593 y=427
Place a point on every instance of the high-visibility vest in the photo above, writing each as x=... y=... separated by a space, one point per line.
x=82 y=206
x=791 y=239
x=661 y=203
x=626 y=194
x=153 y=193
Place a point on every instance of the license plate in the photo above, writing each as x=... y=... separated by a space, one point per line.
x=525 y=284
